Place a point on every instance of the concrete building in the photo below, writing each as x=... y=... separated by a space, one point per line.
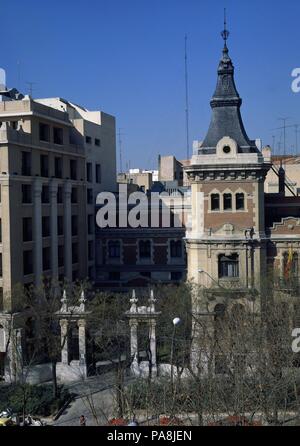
x=55 y=157
x=170 y=169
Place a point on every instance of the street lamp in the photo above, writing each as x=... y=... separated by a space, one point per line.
x=176 y=321
x=200 y=270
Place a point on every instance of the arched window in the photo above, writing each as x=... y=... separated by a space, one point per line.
x=176 y=248
x=239 y=201
x=114 y=250
x=227 y=202
x=145 y=249
x=228 y=265
x=215 y=202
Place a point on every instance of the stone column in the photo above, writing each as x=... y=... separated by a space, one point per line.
x=38 y=242
x=53 y=220
x=82 y=341
x=64 y=341
x=68 y=231
x=133 y=338
x=152 y=338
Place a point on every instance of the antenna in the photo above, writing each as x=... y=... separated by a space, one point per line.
x=284 y=133
x=120 y=134
x=31 y=84
x=186 y=99
x=273 y=143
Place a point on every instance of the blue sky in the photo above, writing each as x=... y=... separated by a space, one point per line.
x=126 y=57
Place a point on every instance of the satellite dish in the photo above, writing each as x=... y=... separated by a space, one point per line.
x=2 y=79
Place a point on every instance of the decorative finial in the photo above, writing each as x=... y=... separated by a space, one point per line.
x=82 y=301
x=133 y=302
x=225 y=32
x=152 y=301
x=64 y=302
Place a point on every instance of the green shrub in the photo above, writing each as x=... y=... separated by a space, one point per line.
x=38 y=400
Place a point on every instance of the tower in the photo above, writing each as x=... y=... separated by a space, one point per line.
x=226 y=243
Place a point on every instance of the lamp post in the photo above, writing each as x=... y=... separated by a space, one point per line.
x=200 y=270
x=176 y=321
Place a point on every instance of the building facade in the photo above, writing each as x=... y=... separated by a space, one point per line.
x=55 y=157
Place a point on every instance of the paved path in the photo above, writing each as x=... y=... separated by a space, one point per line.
x=95 y=396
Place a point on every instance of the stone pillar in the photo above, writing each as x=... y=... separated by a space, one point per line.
x=64 y=341
x=68 y=231
x=152 y=338
x=133 y=338
x=38 y=242
x=53 y=220
x=82 y=341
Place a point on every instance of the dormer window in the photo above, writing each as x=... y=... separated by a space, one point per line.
x=226 y=149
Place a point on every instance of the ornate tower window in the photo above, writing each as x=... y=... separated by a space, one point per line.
x=228 y=265
x=240 y=201
x=227 y=202
x=215 y=202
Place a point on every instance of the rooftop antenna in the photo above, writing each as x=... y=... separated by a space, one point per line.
x=31 y=84
x=284 y=134
x=273 y=143
x=120 y=134
x=186 y=99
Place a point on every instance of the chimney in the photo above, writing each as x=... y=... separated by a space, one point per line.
x=281 y=176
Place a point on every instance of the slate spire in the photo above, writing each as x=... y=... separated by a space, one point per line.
x=226 y=118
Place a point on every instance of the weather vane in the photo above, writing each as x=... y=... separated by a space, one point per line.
x=225 y=32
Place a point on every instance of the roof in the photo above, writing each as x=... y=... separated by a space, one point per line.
x=226 y=118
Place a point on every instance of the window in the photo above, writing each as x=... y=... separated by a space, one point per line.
x=114 y=275
x=45 y=226
x=58 y=135
x=90 y=224
x=74 y=225
x=45 y=194
x=176 y=248
x=229 y=265
x=44 y=132
x=88 y=140
x=145 y=249
x=44 y=165
x=46 y=258
x=27 y=262
x=60 y=225
x=26 y=193
x=97 y=142
x=14 y=125
x=0 y=230
x=60 y=255
x=26 y=163
x=89 y=172
x=227 y=202
x=58 y=167
x=215 y=202
x=98 y=173
x=239 y=201
x=1 y=268
x=176 y=275
x=27 y=229
x=114 y=249
x=73 y=169
x=74 y=197
x=90 y=250
x=59 y=194
x=74 y=252
x=89 y=193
